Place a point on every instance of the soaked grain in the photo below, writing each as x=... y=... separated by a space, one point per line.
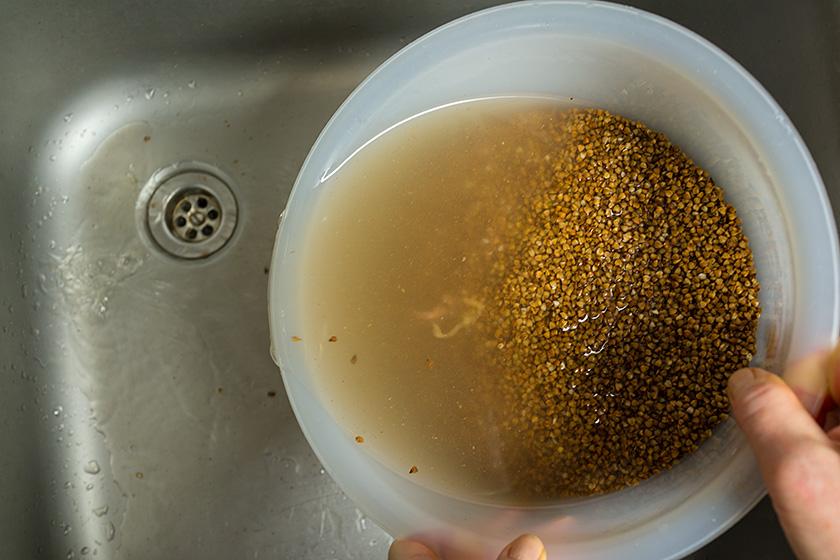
x=516 y=302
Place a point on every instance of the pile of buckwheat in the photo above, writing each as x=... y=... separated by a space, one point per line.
x=623 y=297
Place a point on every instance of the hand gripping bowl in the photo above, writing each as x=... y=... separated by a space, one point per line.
x=646 y=68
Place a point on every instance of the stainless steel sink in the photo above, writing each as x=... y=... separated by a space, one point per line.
x=140 y=413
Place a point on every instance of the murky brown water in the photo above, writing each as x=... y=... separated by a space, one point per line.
x=399 y=254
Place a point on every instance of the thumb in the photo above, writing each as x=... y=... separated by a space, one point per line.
x=524 y=547
x=772 y=417
x=798 y=462
x=410 y=550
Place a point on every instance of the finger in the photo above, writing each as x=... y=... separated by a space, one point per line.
x=808 y=380
x=525 y=547
x=770 y=415
x=410 y=550
x=800 y=466
x=832 y=369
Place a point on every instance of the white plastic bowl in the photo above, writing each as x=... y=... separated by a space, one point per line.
x=643 y=67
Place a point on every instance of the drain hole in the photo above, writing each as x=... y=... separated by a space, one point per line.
x=189 y=213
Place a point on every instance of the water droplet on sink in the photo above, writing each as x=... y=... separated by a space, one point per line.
x=68 y=485
x=100 y=511
x=58 y=410
x=84 y=550
x=110 y=531
x=361 y=522
x=67 y=529
x=52 y=157
x=92 y=467
x=89 y=486
x=68 y=117
x=239 y=93
x=70 y=554
x=150 y=93
x=191 y=84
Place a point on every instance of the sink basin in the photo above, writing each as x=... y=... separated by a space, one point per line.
x=140 y=413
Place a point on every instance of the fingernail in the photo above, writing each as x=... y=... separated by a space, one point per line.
x=526 y=547
x=410 y=550
x=743 y=379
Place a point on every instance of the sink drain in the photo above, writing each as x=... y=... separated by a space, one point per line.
x=196 y=216
x=188 y=210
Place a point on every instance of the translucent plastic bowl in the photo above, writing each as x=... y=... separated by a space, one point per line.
x=646 y=68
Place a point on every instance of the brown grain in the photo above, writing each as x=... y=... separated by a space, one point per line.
x=622 y=300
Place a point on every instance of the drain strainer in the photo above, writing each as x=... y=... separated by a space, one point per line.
x=196 y=215
x=188 y=209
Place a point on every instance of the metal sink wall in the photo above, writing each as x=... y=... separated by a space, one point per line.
x=140 y=413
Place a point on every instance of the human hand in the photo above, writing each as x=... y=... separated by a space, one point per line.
x=799 y=460
x=525 y=547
